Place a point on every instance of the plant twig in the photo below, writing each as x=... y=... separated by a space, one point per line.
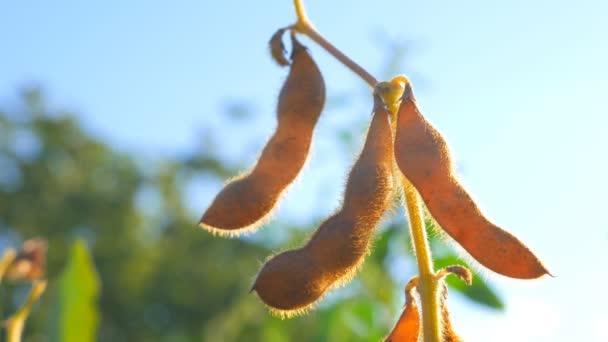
x=5 y=262
x=15 y=324
x=428 y=284
x=391 y=94
x=304 y=26
x=301 y=13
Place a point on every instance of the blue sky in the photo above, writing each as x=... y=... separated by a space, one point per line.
x=517 y=87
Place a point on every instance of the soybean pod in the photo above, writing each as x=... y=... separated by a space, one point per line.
x=423 y=157
x=245 y=202
x=292 y=281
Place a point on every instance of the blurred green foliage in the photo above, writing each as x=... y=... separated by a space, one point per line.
x=162 y=278
x=78 y=289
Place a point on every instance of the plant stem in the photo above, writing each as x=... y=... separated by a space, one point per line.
x=339 y=55
x=301 y=13
x=6 y=260
x=15 y=324
x=304 y=26
x=428 y=285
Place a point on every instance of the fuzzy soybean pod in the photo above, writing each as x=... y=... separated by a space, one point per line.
x=246 y=201
x=290 y=282
x=423 y=157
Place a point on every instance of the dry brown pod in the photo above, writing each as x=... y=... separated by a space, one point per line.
x=292 y=281
x=246 y=201
x=423 y=157
x=277 y=48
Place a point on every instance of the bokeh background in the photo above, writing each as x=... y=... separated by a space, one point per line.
x=120 y=121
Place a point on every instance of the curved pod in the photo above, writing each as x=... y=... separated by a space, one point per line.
x=423 y=157
x=245 y=202
x=292 y=281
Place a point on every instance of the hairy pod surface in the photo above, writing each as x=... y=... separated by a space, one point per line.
x=292 y=281
x=245 y=202
x=288 y=281
x=423 y=157
x=449 y=334
x=344 y=238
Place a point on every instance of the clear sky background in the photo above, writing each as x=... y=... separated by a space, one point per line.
x=517 y=87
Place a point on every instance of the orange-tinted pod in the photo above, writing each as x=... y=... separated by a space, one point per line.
x=407 y=328
x=423 y=157
x=344 y=238
x=245 y=202
x=292 y=281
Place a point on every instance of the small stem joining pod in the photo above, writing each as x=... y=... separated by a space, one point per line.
x=303 y=20
x=304 y=26
x=458 y=270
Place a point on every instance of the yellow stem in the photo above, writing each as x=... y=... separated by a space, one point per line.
x=304 y=26
x=5 y=262
x=391 y=94
x=428 y=284
x=301 y=13
x=15 y=324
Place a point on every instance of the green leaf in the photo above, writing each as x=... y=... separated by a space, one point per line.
x=77 y=297
x=480 y=292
